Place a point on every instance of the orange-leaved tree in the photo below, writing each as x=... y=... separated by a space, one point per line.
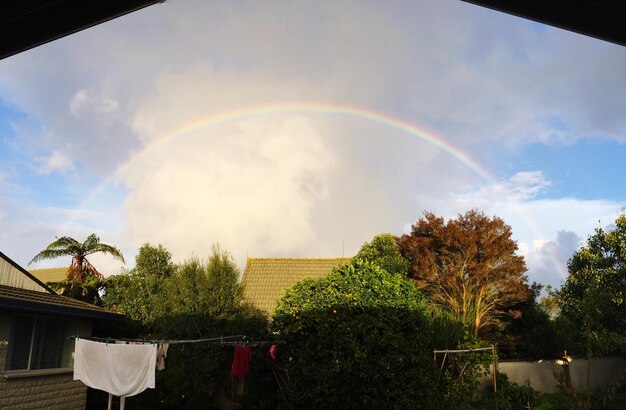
x=468 y=266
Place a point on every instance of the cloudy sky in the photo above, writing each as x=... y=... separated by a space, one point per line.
x=301 y=129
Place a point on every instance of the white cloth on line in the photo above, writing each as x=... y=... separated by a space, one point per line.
x=119 y=369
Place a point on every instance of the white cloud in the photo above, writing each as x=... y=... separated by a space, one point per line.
x=547 y=259
x=519 y=187
x=55 y=162
x=252 y=187
x=78 y=101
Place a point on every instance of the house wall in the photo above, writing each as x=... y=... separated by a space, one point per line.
x=43 y=391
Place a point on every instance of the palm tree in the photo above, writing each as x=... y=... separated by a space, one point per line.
x=83 y=279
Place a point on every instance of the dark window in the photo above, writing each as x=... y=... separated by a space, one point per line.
x=37 y=343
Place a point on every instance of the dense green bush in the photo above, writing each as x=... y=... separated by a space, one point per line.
x=384 y=251
x=358 y=338
x=193 y=300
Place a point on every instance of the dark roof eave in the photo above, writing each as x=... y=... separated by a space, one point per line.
x=50 y=308
x=603 y=20
x=52 y=20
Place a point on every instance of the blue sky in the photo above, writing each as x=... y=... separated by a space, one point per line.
x=85 y=120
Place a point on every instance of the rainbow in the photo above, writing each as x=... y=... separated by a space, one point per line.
x=420 y=134
x=309 y=108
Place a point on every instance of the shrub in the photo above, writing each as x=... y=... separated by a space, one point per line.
x=357 y=338
x=510 y=395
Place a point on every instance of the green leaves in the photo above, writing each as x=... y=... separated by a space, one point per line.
x=83 y=280
x=593 y=294
x=358 y=338
x=383 y=251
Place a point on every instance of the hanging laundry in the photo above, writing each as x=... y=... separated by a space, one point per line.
x=161 y=355
x=241 y=362
x=272 y=352
x=120 y=369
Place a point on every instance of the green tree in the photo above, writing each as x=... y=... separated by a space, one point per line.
x=134 y=292
x=594 y=293
x=83 y=279
x=155 y=261
x=196 y=299
x=593 y=298
x=357 y=338
x=533 y=334
x=383 y=251
x=198 y=287
x=468 y=266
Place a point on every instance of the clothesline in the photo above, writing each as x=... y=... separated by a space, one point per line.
x=220 y=341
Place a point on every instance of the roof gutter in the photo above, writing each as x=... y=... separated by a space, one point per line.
x=50 y=308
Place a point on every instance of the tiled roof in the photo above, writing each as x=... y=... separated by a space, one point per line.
x=30 y=300
x=50 y=274
x=266 y=279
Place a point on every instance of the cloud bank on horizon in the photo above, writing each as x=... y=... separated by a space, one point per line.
x=98 y=130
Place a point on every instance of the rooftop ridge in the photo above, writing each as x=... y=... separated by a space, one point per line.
x=302 y=259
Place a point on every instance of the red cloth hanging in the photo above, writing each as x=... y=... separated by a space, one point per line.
x=272 y=352
x=241 y=362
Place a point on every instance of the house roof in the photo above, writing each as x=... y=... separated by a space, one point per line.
x=21 y=291
x=12 y=274
x=602 y=19
x=32 y=301
x=266 y=279
x=25 y=24
x=50 y=274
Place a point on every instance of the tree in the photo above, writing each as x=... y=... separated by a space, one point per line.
x=383 y=251
x=357 y=338
x=208 y=288
x=534 y=334
x=83 y=279
x=593 y=298
x=192 y=300
x=134 y=292
x=594 y=294
x=155 y=261
x=468 y=266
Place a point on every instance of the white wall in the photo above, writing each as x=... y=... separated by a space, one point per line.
x=541 y=375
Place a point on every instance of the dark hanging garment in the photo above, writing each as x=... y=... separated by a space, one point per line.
x=241 y=362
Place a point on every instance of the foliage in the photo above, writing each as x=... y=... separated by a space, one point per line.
x=83 y=279
x=137 y=292
x=357 y=338
x=550 y=303
x=460 y=373
x=510 y=395
x=592 y=300
x=468 y=266
x=195 y=287
x=532 y=335
x=194 y=300
x=383 y=251
x=594 y=293
x=552 y=401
